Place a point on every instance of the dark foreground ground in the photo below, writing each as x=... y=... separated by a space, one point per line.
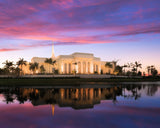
x=70 y=81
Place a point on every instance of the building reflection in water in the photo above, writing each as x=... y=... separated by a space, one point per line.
x=77 y=98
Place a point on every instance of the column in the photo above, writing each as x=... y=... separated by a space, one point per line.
x=62 y=68
x=87 y=67
x=91 y=67
x=81 y=67
x=99 y=68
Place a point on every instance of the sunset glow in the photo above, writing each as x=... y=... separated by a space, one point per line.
x=124 y=30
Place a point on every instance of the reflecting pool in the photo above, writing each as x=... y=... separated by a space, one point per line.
x=114 y=106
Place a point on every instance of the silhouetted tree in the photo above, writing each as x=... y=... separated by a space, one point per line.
x=49 y=61
x=42 y=69
x=20 y=63
x=148 y=70
x=139 y=73
x=33 y=67
x=109 y=65
x=8 y=65
x=154 y=71
x=118 y=69
x=123 y=67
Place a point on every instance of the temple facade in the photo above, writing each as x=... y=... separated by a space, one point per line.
x=79 y=63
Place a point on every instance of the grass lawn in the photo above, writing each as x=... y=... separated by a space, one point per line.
x=67 y=81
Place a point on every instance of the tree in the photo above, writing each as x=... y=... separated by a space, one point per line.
x=17 y=71
x=8 y=65
x=74 y=71
x=139 y=73
x=42 y=69
x=33 y=67
x=135 y=66
x=1 y=71
x=118 y=69
x=138 y=65
x=124 y=66
x=154 y=71
x=148 y=69
x=109 y=65
x=49 y=61
x=20 y=63
x=12 y=70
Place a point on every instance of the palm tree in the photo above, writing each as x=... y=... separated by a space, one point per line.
x=135 y=67
x=1 y=71
x=138 y=65
x=42 y=69
x=109 y=65
x=124 y=66
x=20 y=63
x=8 y=65
x=33 y=67
x=12 y=69
x=118 y=69
x=74 y=71
x=148 y=69
x=154 y=71
x=17 y=71
x=49 y=61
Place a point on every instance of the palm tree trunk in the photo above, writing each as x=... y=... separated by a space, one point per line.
x=21 y=70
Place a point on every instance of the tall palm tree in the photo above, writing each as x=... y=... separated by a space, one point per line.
x=8 y=65
x=137 y=65
x=17 y=71
x=42 y=69
x=33 y=67
x=148 y=70
x=12 y=70
x=49 y=61
x=154 y=71
x=20 y=63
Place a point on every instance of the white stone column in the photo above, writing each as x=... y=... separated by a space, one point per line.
x=67 y=68
x=76 y=68
x=86 y=67
x=81 y=67
x=99 y=68
x=62 y=68
x=91 y=67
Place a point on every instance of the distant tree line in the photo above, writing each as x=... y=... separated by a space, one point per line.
x=16 y=69
x=132 y=69
x=129 y=69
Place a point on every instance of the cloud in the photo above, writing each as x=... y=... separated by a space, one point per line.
x=7 y=50
x=144 y=30
x=72 y=22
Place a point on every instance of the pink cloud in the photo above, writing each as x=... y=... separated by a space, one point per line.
x=67 y=21
x=7 y=50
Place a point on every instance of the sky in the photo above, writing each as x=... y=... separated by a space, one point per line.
x=123 y=30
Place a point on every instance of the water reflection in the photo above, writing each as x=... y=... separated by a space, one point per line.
x=118 y=106
x=77 y=98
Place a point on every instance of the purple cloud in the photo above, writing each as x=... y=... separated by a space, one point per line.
x=78 y=22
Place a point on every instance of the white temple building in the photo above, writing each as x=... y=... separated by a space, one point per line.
x=79 y=63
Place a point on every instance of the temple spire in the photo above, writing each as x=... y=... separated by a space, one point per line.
x=53 y=56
